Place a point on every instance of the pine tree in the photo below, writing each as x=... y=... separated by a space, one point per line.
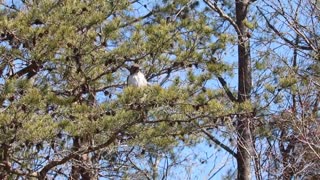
x=66 y=110
x=220 y=72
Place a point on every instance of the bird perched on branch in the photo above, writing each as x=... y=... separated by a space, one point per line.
x=136 y=77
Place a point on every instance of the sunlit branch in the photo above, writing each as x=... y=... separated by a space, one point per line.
x=219 y=143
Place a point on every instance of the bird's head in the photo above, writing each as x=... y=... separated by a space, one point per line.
x=134 y=68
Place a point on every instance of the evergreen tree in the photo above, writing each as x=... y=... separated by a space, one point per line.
x=67 y=112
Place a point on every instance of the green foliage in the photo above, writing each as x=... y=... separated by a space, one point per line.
x=63 y=93
x=246 y=106
x=37 y=129
x=270 y=88
x=287 y=82
x=218 y=68
x=260 y=65
x=250 y=25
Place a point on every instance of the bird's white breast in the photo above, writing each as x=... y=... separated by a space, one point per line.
x=137 y=79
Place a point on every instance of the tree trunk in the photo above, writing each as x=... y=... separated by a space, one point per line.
x=4 y=159
x=75 y=170
x=244 y=141
x=81 y=161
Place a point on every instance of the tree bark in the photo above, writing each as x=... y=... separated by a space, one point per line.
x=79 y=167
x=3 y=158
x=244 y=140
x=75 y=169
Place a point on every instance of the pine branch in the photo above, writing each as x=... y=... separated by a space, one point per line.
x=31 y=70
x=137 y=19
x=219 y=143
x=226 y=89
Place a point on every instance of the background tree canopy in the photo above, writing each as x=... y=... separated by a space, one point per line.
x=241 y=75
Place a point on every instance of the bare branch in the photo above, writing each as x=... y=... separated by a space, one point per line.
x=215 y=7
x=53 y=164
x=281 y=36
x=8 y=167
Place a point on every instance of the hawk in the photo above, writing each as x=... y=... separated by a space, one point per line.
x=136 y=77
